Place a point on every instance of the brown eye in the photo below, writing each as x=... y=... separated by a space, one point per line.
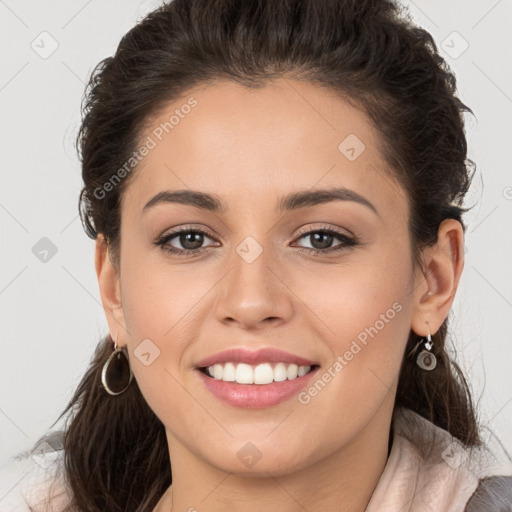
x=191 y=241
x=322 y=239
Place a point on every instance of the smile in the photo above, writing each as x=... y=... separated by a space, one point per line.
x=257 y=388
x=261 y=374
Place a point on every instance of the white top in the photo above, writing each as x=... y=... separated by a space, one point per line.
x=427 y=471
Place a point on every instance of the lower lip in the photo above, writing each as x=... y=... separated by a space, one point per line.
x=255 y=396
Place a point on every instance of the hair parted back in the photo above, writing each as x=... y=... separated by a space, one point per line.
x=373 y=56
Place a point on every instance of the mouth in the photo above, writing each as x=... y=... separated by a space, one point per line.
x=259 y=374
x=260 y=386
x=255 y=379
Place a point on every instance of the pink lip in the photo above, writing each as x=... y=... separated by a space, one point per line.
x=264 y=355
x=255 y=396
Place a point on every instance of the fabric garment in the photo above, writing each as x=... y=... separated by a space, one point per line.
x=427 y=471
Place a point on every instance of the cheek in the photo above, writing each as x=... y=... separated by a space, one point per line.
x=368 y=316
x=158 y=297
x=375 y=309
x=157 y=301
x=365 y=313
x=366 y=298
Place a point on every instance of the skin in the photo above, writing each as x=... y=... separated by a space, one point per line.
x=250 y=147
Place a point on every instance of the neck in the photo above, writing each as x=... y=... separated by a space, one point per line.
x=347 y=476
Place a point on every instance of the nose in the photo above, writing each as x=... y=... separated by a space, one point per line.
x=253 y=294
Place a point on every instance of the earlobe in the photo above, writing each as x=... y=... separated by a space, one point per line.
x=437 y=285
x=108 y=281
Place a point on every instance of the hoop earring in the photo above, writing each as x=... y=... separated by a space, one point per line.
x=116 y=371
x=426 y=360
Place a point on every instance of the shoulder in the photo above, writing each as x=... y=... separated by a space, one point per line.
x=33 y=481
x=459 y=477
x=429 y=469
x=493 y=494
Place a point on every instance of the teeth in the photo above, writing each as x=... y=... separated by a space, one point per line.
x=229 y=372
x=263 y=373
x=292 y=371
x=217 y=371
x=280 y=372
x=303 y=370
x=244 y=374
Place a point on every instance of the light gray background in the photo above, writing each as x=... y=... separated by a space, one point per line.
x=51 y=314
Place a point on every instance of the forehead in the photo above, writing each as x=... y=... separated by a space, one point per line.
x=229 y=140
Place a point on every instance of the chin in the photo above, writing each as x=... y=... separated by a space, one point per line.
x=247 y=460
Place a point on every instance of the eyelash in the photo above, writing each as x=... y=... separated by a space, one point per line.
x=348 y=241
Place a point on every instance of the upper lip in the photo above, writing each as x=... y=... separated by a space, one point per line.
x=248 y=356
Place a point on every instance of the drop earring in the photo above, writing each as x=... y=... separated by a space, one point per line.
x=426 y=360
x=116 y=374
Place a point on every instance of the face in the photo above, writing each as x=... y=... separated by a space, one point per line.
x=320 y=281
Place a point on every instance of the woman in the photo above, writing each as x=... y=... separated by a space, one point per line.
x=275 y=192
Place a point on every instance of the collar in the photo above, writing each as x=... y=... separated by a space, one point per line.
x=427 y=469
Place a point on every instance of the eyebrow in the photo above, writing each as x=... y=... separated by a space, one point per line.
x=293 y=201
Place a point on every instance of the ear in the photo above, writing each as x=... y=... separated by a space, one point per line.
x=110 y=290
x=437 y=283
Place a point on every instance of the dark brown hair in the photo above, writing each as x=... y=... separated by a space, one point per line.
x=372 y=55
